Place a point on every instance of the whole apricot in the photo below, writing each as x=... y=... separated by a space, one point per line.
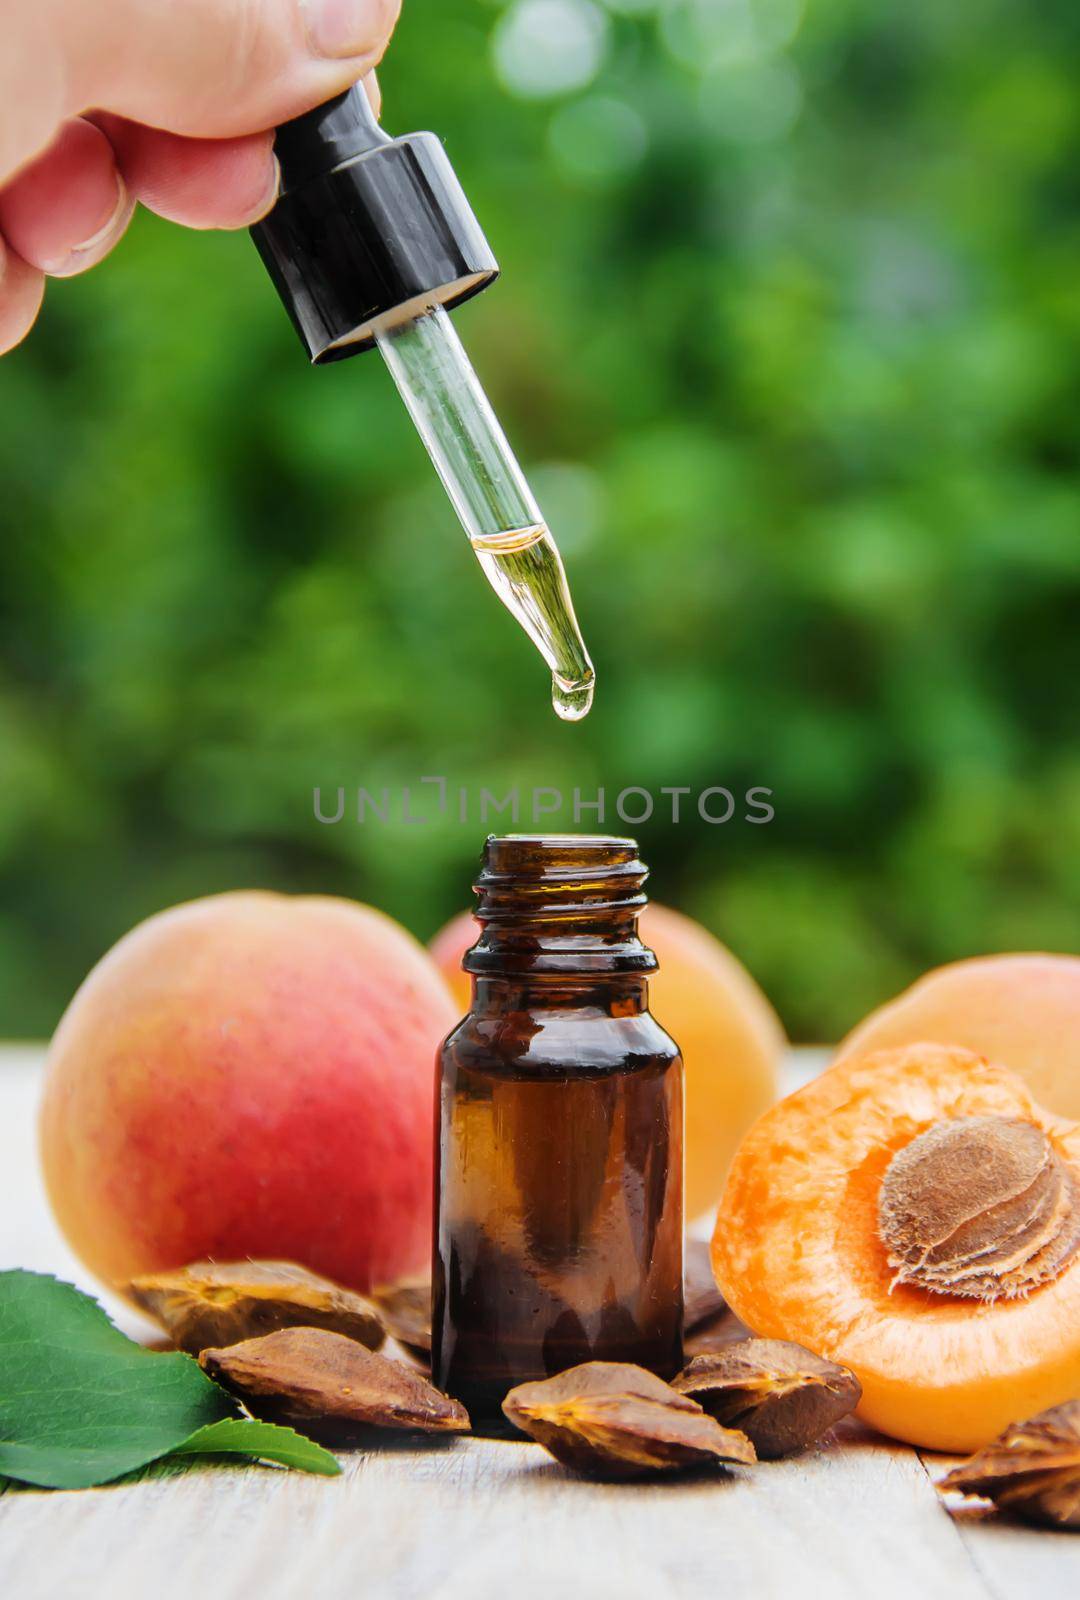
x=730 y=1037
x=249 y=1075
x=1021 y=1010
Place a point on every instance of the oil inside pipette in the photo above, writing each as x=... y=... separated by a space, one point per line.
x=488 y=490
x=525 y=569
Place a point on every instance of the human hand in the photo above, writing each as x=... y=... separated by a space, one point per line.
x=168 y=102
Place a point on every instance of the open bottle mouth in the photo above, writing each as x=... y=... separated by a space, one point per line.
x=559 y=904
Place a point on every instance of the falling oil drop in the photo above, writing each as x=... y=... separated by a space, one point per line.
x=572 y=701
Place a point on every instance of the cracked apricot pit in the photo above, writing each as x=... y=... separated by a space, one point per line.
x=914 y=1215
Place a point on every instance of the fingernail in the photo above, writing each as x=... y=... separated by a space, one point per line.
x=67 y=265
x=337 y=27
x=269 y=199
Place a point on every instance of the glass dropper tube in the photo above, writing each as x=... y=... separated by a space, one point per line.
x=488 y=490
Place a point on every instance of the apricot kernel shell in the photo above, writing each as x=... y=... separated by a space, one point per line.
x=223 y=1302
x=979 y=1207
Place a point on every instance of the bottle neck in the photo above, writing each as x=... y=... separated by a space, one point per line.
x=560 y=908
x=612 y=995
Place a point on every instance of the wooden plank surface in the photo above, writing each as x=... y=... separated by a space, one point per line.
x=857 y=1519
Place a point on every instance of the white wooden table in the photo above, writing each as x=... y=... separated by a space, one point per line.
x=471 y=1519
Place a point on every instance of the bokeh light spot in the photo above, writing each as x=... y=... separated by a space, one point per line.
x=706 y=34
x=597 y=138
x=753 y=104
x=573 y=499
x=549 y=47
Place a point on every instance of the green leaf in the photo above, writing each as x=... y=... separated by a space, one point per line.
x=82 y=1404
x=263 y=1441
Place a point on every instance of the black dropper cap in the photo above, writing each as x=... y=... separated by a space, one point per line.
x=366 y=225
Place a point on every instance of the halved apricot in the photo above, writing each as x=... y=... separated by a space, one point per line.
x=799 y=1254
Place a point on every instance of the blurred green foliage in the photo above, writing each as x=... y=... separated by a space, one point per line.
x=787 y=337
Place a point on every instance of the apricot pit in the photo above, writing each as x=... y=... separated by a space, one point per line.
x=980 y=1206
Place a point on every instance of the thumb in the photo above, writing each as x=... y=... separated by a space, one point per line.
x=218 y=68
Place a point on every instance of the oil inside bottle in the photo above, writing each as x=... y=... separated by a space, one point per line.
x=525 y=569
x=560 y=1237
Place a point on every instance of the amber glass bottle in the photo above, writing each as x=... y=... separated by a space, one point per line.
x=558 y=1230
